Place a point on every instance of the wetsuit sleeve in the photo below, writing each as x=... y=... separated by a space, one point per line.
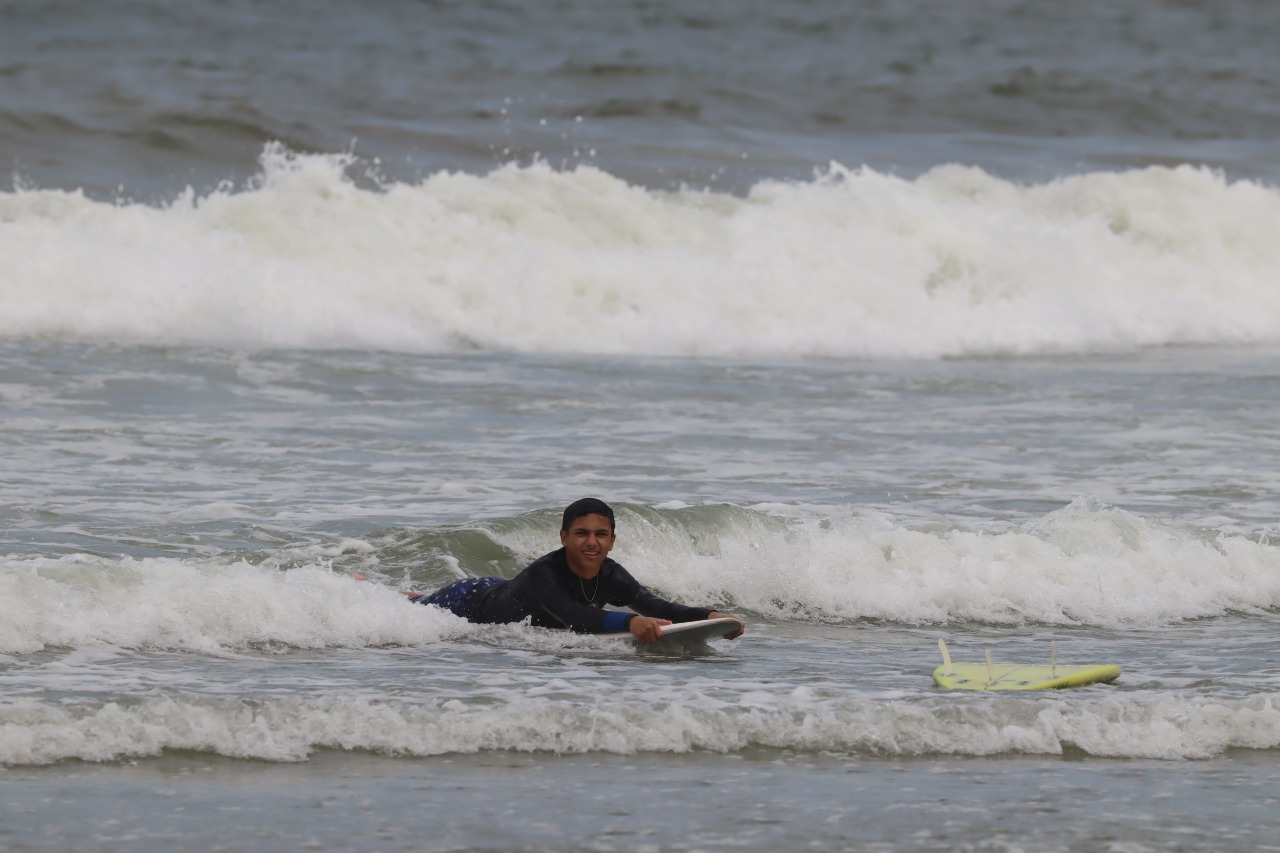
x=626 y=591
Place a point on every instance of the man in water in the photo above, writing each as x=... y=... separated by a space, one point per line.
x=569 y=587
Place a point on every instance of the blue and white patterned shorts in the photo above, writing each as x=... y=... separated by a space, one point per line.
x=458 y=596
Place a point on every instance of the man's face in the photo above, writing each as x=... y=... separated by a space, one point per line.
x=586 y=543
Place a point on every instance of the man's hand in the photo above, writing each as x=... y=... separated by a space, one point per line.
x=736 y=633
x=647 y=629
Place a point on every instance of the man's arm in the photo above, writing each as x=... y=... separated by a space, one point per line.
x=647 y=629
x=737 y=632
x=640 y=599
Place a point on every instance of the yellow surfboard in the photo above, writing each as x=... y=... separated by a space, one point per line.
x=1018 y=676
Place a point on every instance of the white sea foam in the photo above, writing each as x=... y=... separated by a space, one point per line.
x=1087 y=564
x=201 y=605
x=623 y=721
x=851 y=264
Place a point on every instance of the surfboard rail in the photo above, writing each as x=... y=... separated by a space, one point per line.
x=688 y=633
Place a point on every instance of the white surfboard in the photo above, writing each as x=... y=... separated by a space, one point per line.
x=686 y=633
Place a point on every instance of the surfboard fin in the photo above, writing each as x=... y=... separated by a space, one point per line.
x=946 y=657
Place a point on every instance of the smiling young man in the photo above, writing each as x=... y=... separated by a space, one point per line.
x=569 y=587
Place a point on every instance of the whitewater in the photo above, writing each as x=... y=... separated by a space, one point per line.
x=1084 y=565
x=318 y=251
x=879 y=324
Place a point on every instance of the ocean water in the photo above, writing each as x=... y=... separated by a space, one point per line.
x=878 y=323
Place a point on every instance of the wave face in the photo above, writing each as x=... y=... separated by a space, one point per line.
x=530 y=259
x=276 y=658
x=1086 y=565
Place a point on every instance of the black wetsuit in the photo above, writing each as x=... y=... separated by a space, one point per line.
x=550 y=595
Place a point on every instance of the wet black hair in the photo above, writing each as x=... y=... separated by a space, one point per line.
x=585 y=506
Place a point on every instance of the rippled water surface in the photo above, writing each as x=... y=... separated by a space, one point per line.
x=879 y=325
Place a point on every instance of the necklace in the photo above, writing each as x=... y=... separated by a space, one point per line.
x=583 y=586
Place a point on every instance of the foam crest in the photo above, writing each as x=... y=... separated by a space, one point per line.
x=853 y=263
x=161 y=603
x=622 y=722
x=1086 y=564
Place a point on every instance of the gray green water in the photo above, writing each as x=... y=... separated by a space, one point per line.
x=1004 y=375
